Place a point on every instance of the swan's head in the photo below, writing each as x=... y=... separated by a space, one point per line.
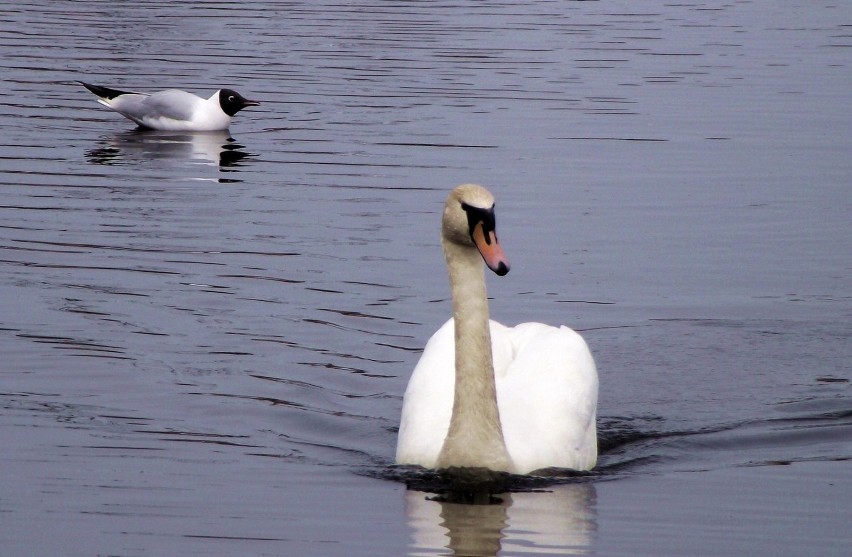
x=469 y=222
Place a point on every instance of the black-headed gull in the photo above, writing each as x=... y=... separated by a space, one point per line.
x=174 y=110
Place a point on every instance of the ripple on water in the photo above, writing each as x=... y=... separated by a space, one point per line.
x=197 y=327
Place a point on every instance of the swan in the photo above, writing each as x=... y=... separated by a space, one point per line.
x=511 y=399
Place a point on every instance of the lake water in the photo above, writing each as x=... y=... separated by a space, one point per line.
x=205 y=338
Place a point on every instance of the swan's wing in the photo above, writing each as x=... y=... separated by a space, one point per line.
x=547 y=390
x=428 y=401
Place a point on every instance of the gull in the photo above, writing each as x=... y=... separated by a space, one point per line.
x=172 y=109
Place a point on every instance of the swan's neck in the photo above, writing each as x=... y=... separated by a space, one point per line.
x=475 y=437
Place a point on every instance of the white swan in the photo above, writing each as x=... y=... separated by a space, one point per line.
x=513 y=399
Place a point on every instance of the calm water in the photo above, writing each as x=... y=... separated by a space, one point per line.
x=205 y=338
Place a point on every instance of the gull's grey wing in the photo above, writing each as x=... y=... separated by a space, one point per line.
x=171 y=104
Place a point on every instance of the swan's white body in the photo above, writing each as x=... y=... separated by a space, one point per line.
x=534 y=407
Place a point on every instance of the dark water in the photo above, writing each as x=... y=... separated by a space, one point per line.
x=205 y=338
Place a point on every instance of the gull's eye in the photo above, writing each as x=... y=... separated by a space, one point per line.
x=232 y=98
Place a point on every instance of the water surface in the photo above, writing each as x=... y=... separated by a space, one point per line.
x=205 y=337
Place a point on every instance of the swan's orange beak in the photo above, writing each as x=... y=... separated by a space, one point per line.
x=489 y=248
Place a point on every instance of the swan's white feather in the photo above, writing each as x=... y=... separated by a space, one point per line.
x=547 y=388
x=547 y=391
x=428 y=401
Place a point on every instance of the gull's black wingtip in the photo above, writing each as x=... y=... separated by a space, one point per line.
x=103 y=92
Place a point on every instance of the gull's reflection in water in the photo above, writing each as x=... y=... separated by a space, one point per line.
x=209 y=148
x=560 y=521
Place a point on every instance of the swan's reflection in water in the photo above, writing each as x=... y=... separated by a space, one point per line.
x=213 y=148
x=561 y=521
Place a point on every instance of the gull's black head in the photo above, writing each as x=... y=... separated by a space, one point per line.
x=232 y=102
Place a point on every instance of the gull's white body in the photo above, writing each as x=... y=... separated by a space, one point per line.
x=171 y=110
x=544 y=379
